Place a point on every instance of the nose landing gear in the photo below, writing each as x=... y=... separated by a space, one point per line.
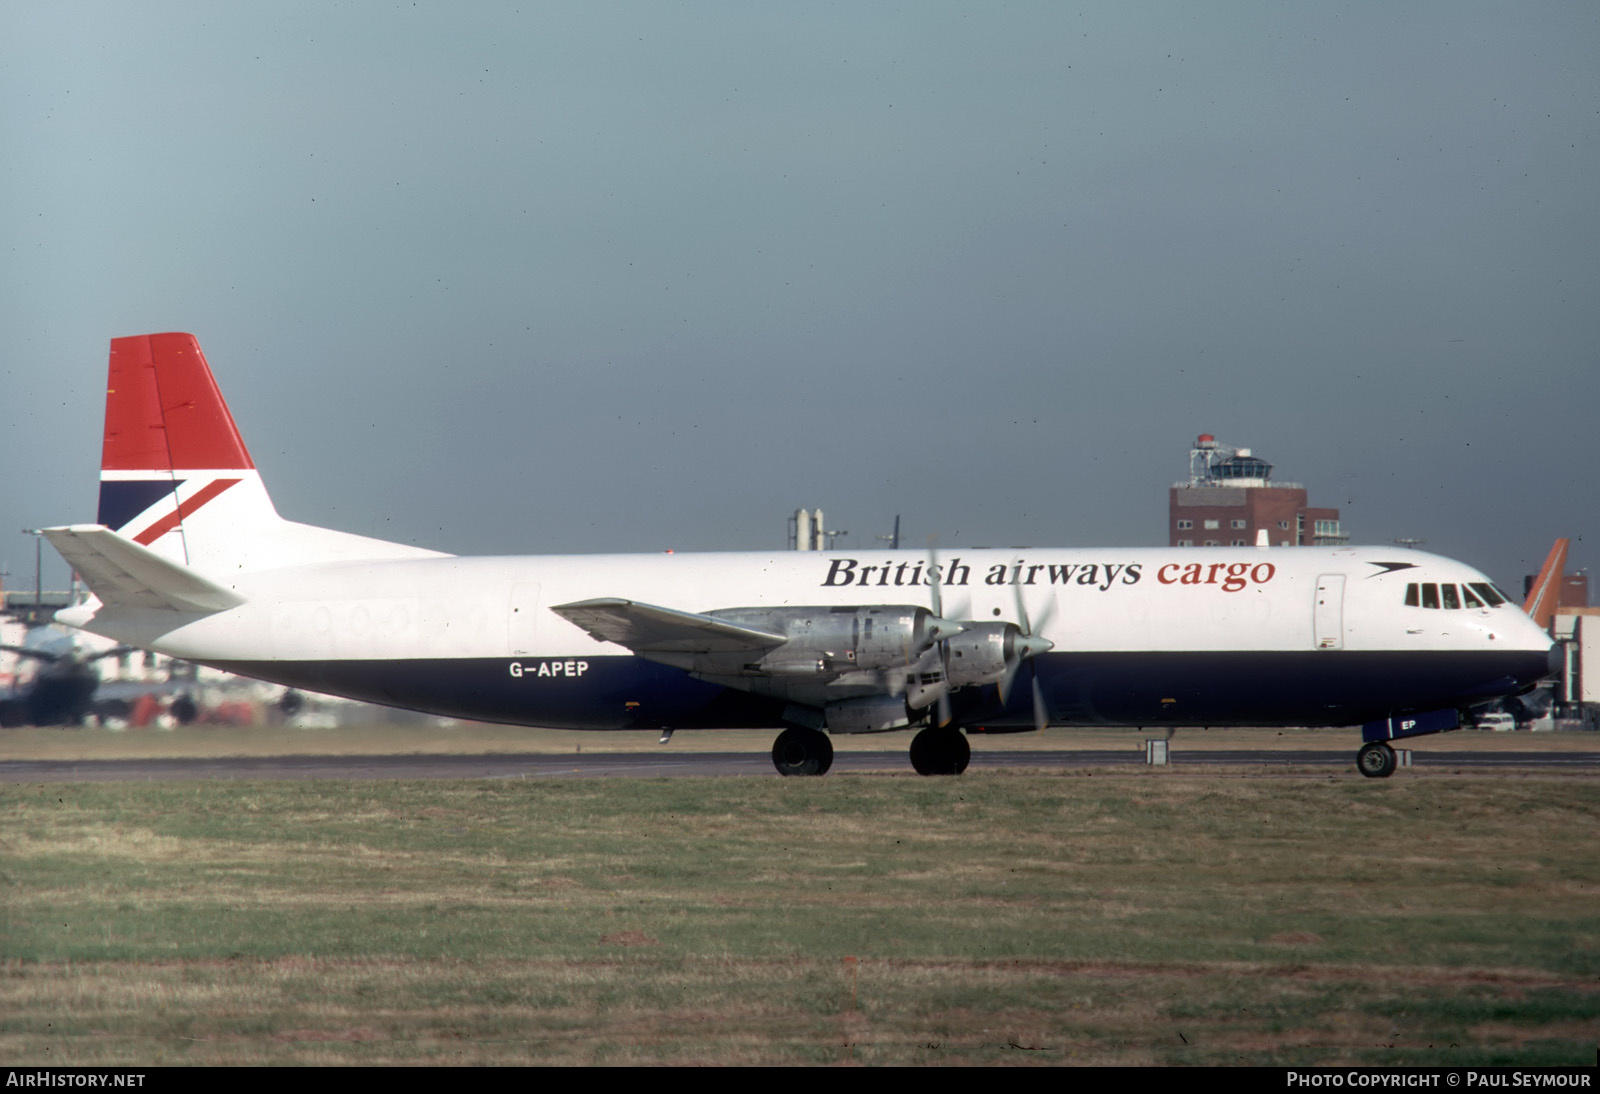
x=1376 y=760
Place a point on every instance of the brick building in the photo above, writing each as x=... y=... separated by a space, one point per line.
x=1229 y=500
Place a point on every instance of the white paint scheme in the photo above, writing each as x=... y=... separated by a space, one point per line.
x=452 y=607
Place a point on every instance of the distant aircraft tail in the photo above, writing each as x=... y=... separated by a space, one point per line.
x=1546 y=590
x=175 y=476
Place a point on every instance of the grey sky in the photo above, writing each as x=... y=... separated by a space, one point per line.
x=594 y=277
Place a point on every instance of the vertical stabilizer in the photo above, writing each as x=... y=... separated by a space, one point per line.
x=171 y=448
x=1543 y=597
x=175 y=475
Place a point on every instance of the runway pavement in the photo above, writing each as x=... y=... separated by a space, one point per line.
x=667 y=762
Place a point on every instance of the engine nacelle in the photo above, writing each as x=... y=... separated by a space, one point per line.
x=980 y=653
x=868 y=637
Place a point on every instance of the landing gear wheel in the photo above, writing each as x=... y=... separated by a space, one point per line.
x=1375 y=760
x=802 y=752
x=940 y=752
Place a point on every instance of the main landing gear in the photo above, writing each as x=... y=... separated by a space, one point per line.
x=802 y=751
x=934 y=751
x=1376 y=760
x=940 y=751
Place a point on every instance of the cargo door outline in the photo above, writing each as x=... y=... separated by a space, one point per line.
x=1327 y=617
x=522 y=618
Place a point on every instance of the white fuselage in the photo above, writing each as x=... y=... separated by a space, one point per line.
x=1318 y=614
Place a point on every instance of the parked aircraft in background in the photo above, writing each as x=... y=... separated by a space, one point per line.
x=190 y=558
x=55 y=679
x=61 y=688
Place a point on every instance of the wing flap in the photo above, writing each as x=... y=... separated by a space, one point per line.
x=649 y=629
x=125 y=575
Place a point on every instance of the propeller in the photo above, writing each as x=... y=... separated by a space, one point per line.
x=935 y=581
x=1023 y=646
x=933 y=645
x=942 y=644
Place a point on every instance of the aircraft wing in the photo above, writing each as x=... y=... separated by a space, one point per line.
x=51 y=657
x=123 y=574
x=37 y=655
x=647 y=629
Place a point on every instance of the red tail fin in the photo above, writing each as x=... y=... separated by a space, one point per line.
x=168 y=417
x=166 y=426
x=1545 y=594
x=175 y=475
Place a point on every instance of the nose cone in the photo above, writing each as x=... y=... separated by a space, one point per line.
x=1541 y=657
x=1551 y=656
x=1033 y=646
x=1543 y=660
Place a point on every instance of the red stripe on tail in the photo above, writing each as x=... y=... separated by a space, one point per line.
x=184 y=509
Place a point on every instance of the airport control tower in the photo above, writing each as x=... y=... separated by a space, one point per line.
x=1230 y=499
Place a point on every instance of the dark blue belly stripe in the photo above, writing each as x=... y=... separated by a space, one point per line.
x=1311 y=688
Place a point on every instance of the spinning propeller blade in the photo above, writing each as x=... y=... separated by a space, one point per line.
x=1024 y=645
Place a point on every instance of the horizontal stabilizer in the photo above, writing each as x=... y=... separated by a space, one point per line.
x=125 y=575
x=647 y=628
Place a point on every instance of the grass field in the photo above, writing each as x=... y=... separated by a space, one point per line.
x=1141 y=917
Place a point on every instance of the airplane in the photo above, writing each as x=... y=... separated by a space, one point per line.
x=66 y=686
x=62 y=689
x=189 y=557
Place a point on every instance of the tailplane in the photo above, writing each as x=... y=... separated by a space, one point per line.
x=176 y=478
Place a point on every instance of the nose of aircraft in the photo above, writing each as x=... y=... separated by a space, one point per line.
x=1538 y=657
x=1545 y=658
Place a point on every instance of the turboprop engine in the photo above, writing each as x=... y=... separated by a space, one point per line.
x=983 y=653
x=878 y=637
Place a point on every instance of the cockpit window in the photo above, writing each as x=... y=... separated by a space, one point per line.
x=1480 y=594
x=1491 y=595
